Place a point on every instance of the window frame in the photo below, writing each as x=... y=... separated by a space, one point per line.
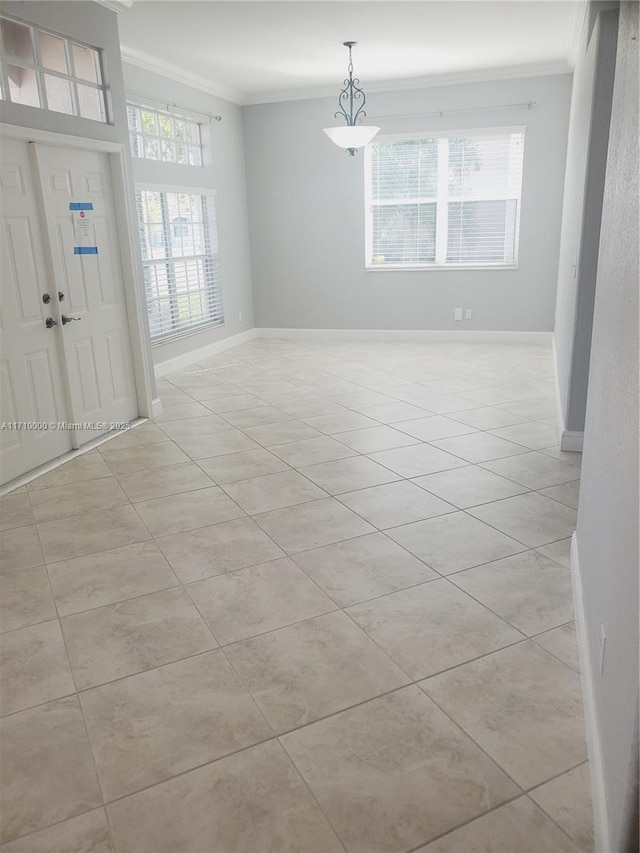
x=206 y=193
x=441 y=209
x=40 y=71
x=181 y=116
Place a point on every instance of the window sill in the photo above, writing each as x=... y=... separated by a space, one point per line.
x=436 y=267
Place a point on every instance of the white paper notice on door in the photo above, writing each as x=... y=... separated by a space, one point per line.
x=83 y=228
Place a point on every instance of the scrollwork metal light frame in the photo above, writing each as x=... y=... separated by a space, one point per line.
x=351 y=108
x=352 y=92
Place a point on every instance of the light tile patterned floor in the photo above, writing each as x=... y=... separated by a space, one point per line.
x=322 y=604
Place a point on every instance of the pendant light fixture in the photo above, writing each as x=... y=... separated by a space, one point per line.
x=351 y=101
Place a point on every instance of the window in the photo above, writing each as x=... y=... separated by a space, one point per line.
x=179 y=243
x=444 y=200
x=42 y=69
x=157 y=135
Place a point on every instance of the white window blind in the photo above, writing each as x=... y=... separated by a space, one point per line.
x=159 y=135
x=179 y=243
x=444 y=200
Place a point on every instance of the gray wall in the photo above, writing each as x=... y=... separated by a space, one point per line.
x=226 y=174
x=306 y=213
x=607 y=534
x=583 y=189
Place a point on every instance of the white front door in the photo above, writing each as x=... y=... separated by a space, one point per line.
x=32 y=400
x=78 y=369
x=93 y=314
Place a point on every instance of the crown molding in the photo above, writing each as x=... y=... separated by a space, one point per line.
x=179 y=75
x=116 y=6
x=541 y=69
x=204 y=84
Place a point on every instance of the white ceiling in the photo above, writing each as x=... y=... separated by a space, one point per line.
x=253 y=52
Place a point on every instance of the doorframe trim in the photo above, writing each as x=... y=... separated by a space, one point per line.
x=136 y=309
x=594 y=744
x=61 y=140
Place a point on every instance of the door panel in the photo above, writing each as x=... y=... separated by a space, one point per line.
x=40 y=374
x=117 y=349
x=108 y=279
x=96 y=346
x=30 y=373
x=73 y=282
x=9 y=440
x=84 y=362
x=21 y=262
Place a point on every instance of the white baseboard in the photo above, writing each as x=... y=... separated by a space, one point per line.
x=556 y=385
x=194 y=355
x=162 y=368
x=598 y=789
x=432 y=335
x=568 y=439
x=571 y=440
x=156 y=407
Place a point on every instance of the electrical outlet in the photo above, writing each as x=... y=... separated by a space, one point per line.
x=457 y=313
x=240 y=317
x=467 y=313
x=603 y=648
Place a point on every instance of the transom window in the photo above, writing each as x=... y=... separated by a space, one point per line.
x=179 y=243
x=158 y=135
x=45 y=70
x=444 y=200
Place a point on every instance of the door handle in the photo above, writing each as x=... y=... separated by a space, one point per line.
x=50 y=322
x=66 y=319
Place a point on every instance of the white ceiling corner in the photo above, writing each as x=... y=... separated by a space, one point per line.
x=261 y=51
x=486 y=75
x=575 y=31
x=116 y=5
x=180 y=75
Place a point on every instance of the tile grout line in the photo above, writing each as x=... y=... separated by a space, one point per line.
x=76 y=694
x=343 y=610
x=278 y=735
x=337 y=609
x=550 y=816
x=153 y=537
x=292 y=557
x=470 y=820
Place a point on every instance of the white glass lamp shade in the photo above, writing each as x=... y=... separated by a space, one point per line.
x=351 y=136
